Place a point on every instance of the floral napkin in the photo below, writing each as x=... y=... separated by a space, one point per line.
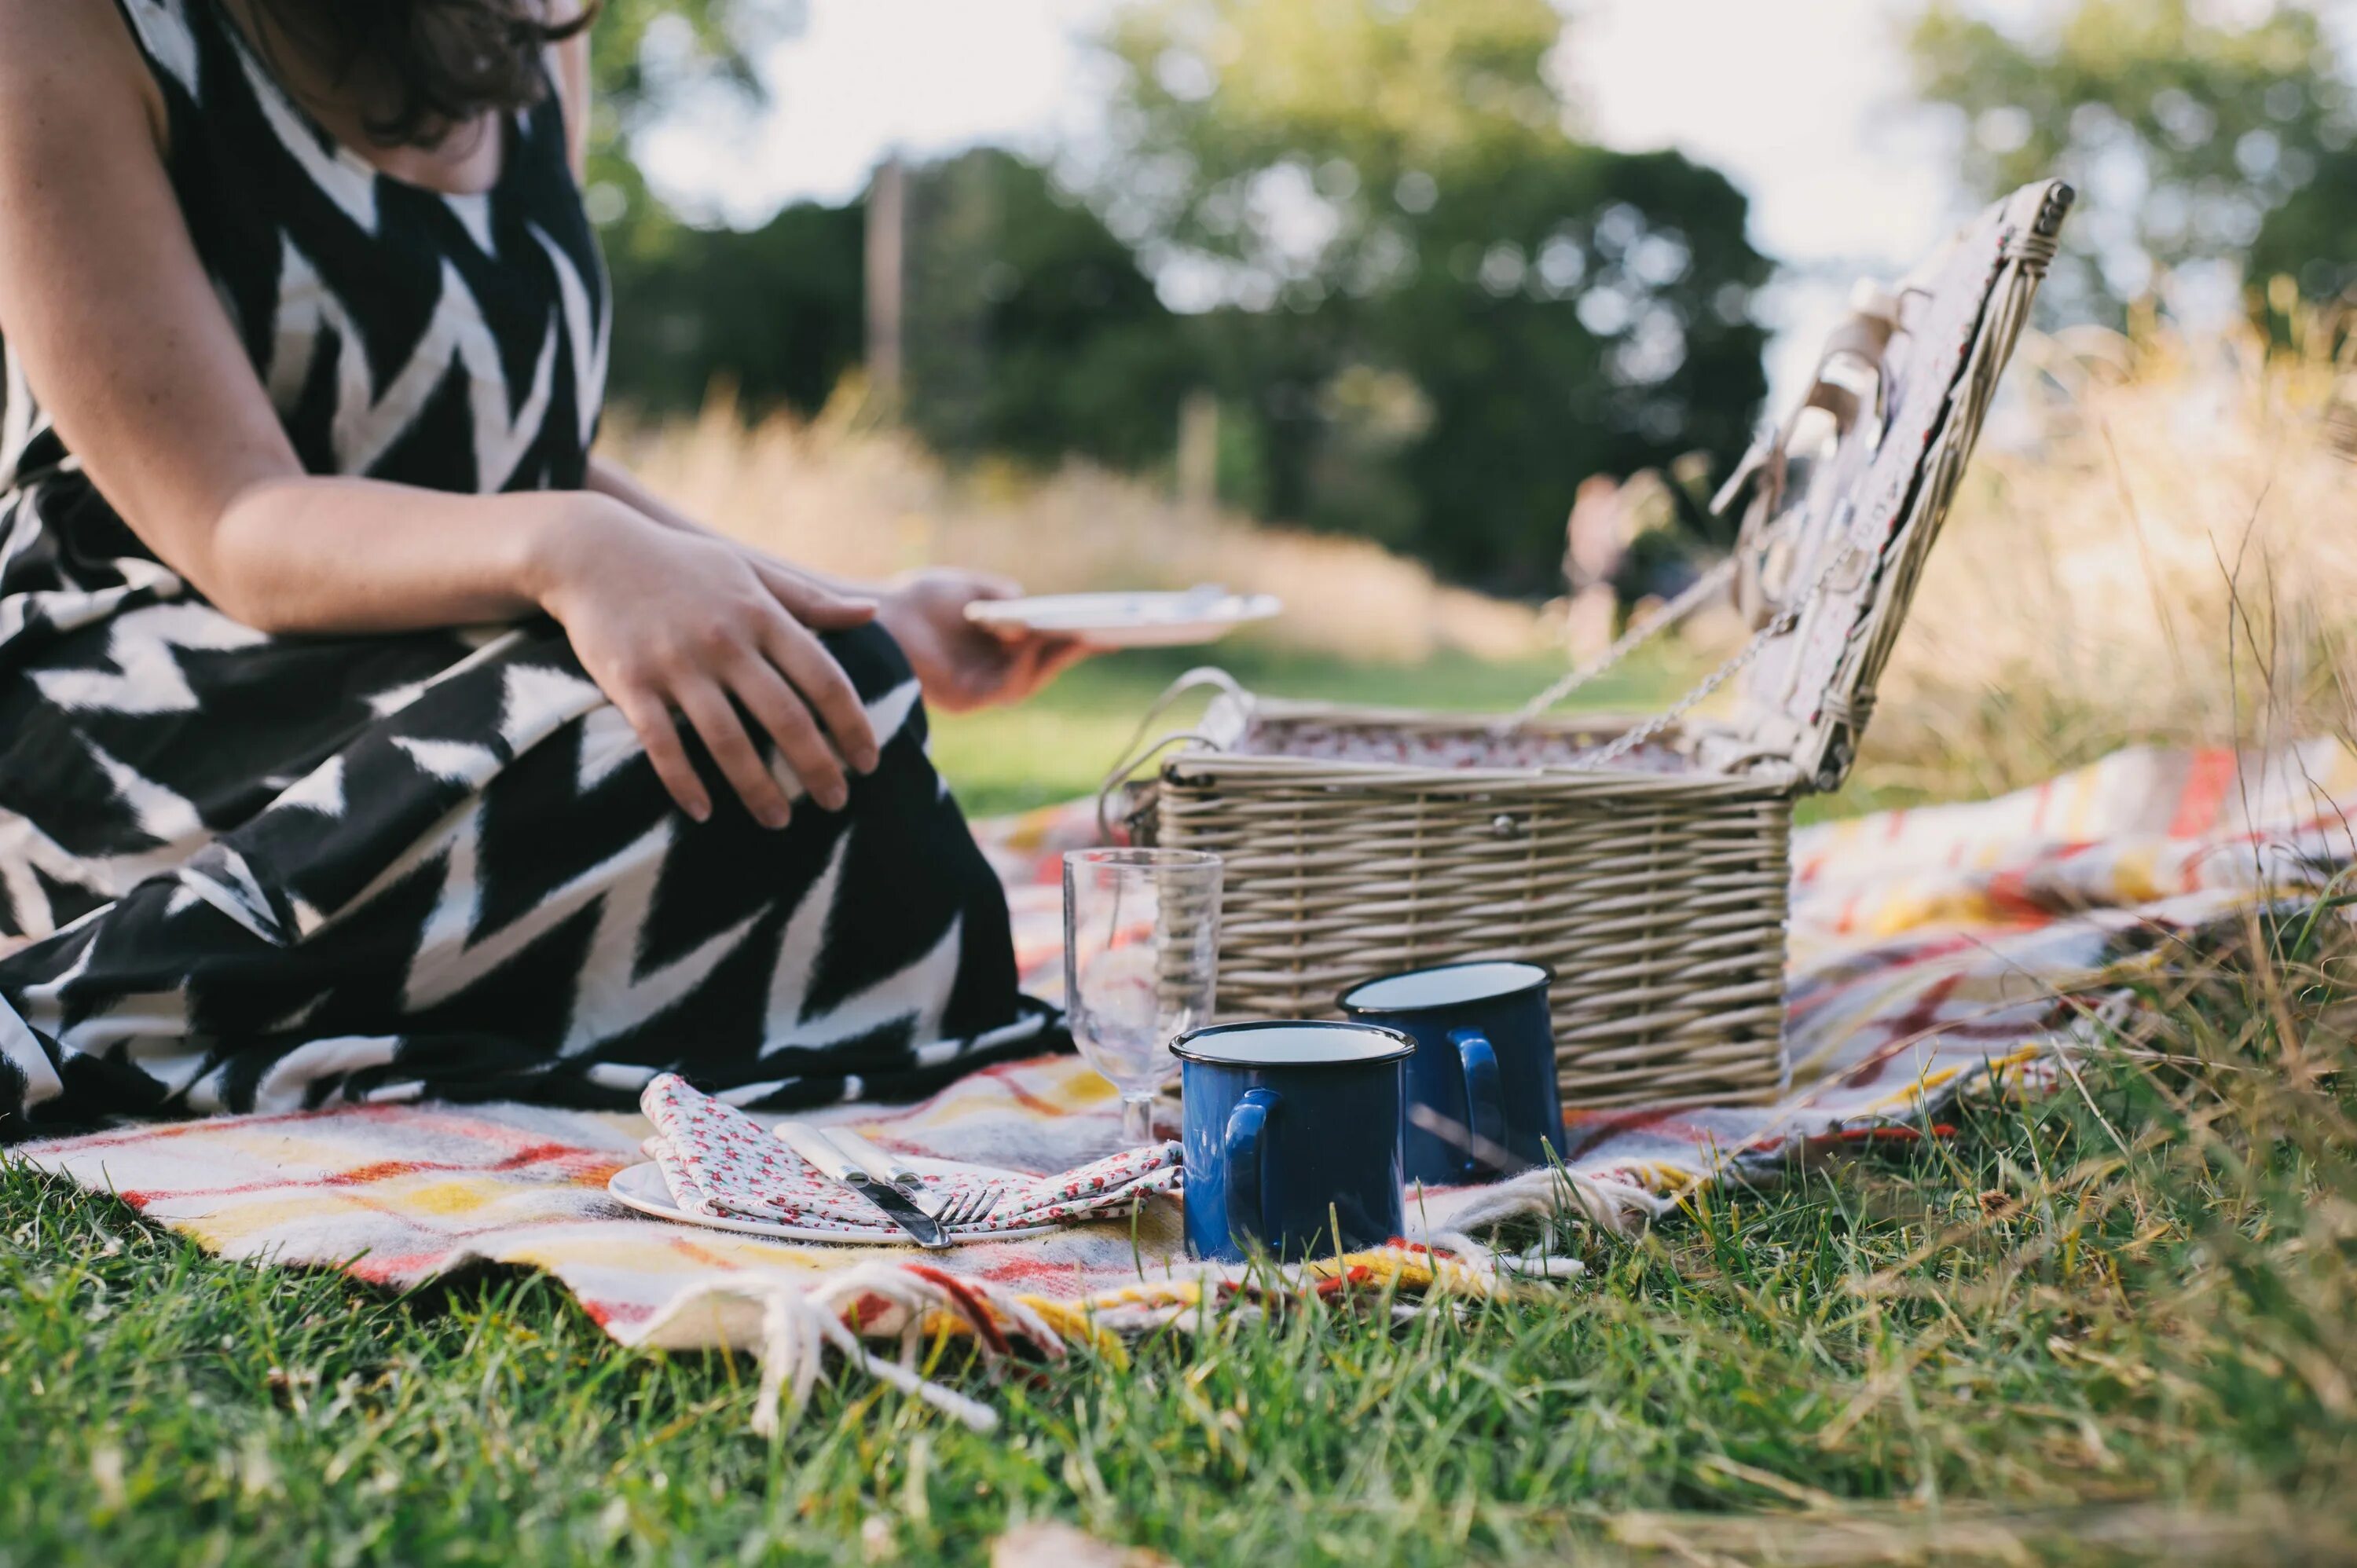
x=721 y=1164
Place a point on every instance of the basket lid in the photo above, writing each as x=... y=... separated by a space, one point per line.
x=1833 y=541
x=1836 y=531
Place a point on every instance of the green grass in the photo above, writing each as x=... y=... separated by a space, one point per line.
x=2019 y=1333
x=2110 y=1324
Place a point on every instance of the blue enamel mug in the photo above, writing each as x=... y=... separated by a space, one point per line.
x=1292 y=1137
x=1482 y=1101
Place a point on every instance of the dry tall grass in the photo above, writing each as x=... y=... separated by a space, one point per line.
x=2157 y=540
x=2160 y=542
x=847 y=494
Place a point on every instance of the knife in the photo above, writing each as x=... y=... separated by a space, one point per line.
x=834 y=1163
x=970 y=1204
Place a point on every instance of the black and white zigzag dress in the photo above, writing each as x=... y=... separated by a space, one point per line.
x=269 y=873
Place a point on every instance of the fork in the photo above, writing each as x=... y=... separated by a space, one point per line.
x=947 y=1210
x=970 y=1207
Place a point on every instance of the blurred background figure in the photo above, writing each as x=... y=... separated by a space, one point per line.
x=1597 y=546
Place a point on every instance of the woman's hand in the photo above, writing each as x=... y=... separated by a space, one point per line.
x=962 y=666
x=667 y=621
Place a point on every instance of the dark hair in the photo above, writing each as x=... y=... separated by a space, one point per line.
x=444 y=61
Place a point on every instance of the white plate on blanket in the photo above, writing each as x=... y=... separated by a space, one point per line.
x=1128 y=621
x=642 y=1188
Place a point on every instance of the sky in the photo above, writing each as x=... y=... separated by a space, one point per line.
x=1802 y=102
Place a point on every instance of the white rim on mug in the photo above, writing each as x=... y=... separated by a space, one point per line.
x=1398 y=1047
x=1528 y=976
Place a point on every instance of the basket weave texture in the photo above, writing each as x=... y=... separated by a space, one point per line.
x=1645 y=860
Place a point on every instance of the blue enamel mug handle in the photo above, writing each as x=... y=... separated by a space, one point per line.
x=1247 y=1126
x=1485 y=1103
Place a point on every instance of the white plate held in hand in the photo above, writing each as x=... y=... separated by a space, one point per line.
x=1127 y=620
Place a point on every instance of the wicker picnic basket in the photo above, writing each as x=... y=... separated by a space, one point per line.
x=1645 y=860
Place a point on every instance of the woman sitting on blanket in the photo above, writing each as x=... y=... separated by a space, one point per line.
x=363 y=736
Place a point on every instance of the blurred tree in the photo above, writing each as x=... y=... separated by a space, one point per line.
x=1428 y=311
x=1030 y=329
x=1442 y=310
x=1589 y=314
x=2200 y=135
x=1033 y=331
x=650 y=59
x=2312 y=237
x=1278 y=136
x=774 y=312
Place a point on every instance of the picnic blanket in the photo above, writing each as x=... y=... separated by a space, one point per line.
x=1933 y=951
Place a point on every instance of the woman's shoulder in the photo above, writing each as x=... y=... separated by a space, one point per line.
x=90 y=32
x=73 y=58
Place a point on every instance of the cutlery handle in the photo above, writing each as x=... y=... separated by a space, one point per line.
x=818 y=1149
x=813 y=1145
x=877 y=1159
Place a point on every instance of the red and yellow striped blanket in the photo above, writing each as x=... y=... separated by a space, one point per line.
x=1932 y=949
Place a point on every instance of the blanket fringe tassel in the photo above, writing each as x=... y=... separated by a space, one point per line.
x=918 y=1303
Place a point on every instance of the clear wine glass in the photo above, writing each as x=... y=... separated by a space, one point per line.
x=1141 y=965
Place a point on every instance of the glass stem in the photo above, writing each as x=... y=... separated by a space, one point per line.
x=1136 y=1120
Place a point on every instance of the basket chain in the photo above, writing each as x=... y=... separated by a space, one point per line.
x=1602 y=757
x=1783 y=621
x=1642 y=632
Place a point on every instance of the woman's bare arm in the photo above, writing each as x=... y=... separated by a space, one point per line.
x=133 y=357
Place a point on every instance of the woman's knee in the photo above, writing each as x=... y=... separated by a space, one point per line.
x=871 y=658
